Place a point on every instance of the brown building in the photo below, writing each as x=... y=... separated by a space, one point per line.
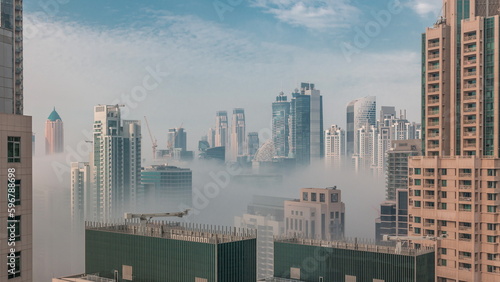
x=453 y=188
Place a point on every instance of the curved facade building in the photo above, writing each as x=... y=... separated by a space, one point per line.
x=360 y=112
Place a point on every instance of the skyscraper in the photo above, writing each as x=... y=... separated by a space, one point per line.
x=281 y=131
x=253 y=143
x=238 y=136
x=360 y=112
x=335 y=147
x=54 y=134
x=116 y=162
x=211 y=137
x=306 y=124
x=80 y=193
x=16 y=253
x=221 y=127
x=177 y=138
x=453 y=189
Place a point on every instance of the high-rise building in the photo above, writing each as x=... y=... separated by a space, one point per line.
x=164 y=251
x=238 y=136
x=177 y=139
x=318 y=214
x=298 y=259
x=221 y=127
x=335 y=147
x=281 y=129
x=80 y=193
x=54 y=134
x=387 y=112
x=211 y=137
x=306 y=125
x=116 y=163
x=165 y=187
x=16 y=245
x=253 y=143
x=453 y=189
x=360 y=112
x=397 y=165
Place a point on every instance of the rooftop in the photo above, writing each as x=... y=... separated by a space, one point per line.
x=54 y=116
x=354 y=244
x=82 y=278
x=202 y=233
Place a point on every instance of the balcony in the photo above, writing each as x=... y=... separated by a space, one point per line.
x=465 y=239
x=469 y=110
x=470 y=73
x=470 y=133
x=470 y=97
x=433 y=78
x=433 y=134
x=462 y=257
x=429 y=196
x=465 y=199
x=470 y=85
x=433 y=44
x=433 y=67
x=433 y=90
x=433 y=146
x=465 y=174
x=470 y=145
x=433 y=101
x=464 y=187
x=470 y=121
x=470 y=62
x=433 y=123
x=461 y=227
x=432 y=113
x=470 y=50
x=433 y=56
x=428 y=224
x=470 y=37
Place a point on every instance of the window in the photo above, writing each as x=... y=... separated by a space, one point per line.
x=418 y=182
x=492 y=172
x=304 y=196
x=334 y=198
x=492 y=197
x=417 y=204
x=444 y=183
x=14 y=149
x=491 y=239
x=491 y=268
x=417 y=230
x=442 y=206
x=443 y=171
x=418 y=171
x=443 y=251
x=417 y=193
x=492 y=208
x=313 y=197
x=322 y=197
x=444 y=195
x=442 y=262
x=332 y=214
x=443 y=222
x=492 y=184
x=16 y=271
x=417 y=219
x=492 y=226
x=492 y=256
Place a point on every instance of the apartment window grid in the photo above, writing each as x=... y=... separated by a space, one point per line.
x=13 y=149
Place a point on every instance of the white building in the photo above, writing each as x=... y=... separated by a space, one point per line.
x=238 y=135
x=335 y=147
x=221 y=128
x=80 y=193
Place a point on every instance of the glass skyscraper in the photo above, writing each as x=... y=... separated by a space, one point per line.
x=281 y=131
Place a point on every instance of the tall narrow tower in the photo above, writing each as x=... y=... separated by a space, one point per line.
x=16 y=255
x=54 y=134
x=221 y=127
x=454 y=189
x=238 y=134
x=281 y=129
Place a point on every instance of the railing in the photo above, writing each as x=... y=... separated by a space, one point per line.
x=470 y=121
x=428 y=224
x=470 y=85
x=464 y=227
x=434 y=134
x=470 y=73
x=433 y=56
x=429 y=196
x=465 y=239
x=468 y=50
x=466 y=199
x=434 y=89
x=433 y=78
x=470 y=37
x=465 y=187
x=433 y=44
x=433 y=113
x=433 y=146
x=470 y=62
x=429 y=207
x=465 y=174
x=470 y=145
x=470 y=133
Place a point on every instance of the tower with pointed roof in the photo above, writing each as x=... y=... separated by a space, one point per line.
x=54 y=134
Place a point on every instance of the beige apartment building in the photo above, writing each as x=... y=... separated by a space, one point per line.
x=318 y=214
x=453 y=188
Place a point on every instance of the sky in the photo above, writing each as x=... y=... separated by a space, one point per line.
x=179 y=61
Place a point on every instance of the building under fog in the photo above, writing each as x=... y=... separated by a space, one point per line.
x=335 y=147
x=80 y=193
x=281 y=127
x=160 y=251
x=360 y=112
x=221 y=130
x=238 y=136
x=54 y=134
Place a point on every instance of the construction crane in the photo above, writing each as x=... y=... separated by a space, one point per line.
x=146 y=217
x=401 y=239
x=153 y=139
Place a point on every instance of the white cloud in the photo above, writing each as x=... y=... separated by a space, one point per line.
x=311 y=14
x=426 y=7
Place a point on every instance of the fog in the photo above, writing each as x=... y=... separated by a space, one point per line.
x=218 y=196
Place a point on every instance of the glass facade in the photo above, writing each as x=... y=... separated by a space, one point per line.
x=281 y=112
x=489 y=84
x=7 y=14
x=329 y=264
x=300 y=127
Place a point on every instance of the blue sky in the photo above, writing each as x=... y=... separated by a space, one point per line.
x=82 y=53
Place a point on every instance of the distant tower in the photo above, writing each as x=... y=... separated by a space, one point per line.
x=360 y=112
x=334 y=147
x=238 y=134
x=281 y=129
x=221 y=126
x=54 y=134
x=177 y=138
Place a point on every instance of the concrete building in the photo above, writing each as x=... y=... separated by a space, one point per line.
x=115 y=164
x=306 y=125
x=161 y=251
x=335 y=147
x=80 y=193
x=54 y=134
x=453 y=188
x=177 y=139
x=350 y=261
x=318 y=214
x=165 y=187
x=397 y=165
x=16 y=206
x=281 y=127
x=238 y=135
x=360 y=112
x=221 y=129
x=211 y=137
x=264 y=214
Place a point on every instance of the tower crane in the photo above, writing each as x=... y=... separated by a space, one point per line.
x=401 y=239
x=153 y=139
x=146 y=217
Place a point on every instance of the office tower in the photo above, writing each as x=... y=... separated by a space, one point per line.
x=264 y=214
x=16 y=151
x=80 y=193
x=54 y=134
x=164 y=251
x=238 y=134
x=306 y=125
x=253 y=143
x=335 y=147
x=165 y=188
x=116 y=163
x=318 y=214
x=360 y=112
x=281 y=130
x=221 y=127
x=211 y=137
x=349 y=261
x=453 y=188
x=177 y=138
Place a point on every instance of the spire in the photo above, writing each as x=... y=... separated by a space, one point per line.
x=54 y=116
